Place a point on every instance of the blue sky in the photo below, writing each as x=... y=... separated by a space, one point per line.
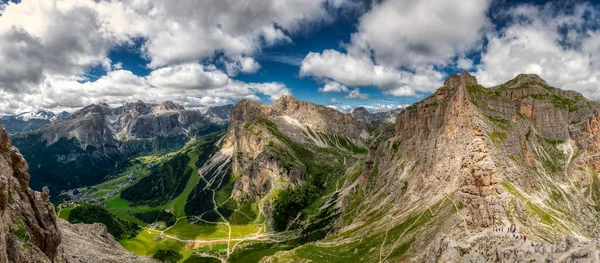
x=63 y=55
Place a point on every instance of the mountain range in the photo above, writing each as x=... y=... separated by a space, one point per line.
x=30 y=121
x=315 y=185
x=94 y=140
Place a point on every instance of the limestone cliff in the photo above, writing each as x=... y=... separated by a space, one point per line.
x=30 y=231
x=468 y=159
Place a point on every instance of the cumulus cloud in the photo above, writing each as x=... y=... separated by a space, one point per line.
x=412 y=34
x=192 y=85
x=188 y=76
x=356 y=95
x=48 y=46
x=39 y=37
x=333 y=86
x=358 y=71
x=192 y=30
x=334 y=101
x=398 y=43
x=552 y=41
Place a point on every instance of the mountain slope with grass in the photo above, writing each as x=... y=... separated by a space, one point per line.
x=463 y=161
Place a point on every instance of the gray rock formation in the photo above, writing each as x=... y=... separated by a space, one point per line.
x=29 y=121
x=219 y=113
x=377 y=118
x=91 y=243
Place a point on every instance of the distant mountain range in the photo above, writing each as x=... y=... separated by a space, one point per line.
x=366 y=116
x=30 y=121
x=86 y=146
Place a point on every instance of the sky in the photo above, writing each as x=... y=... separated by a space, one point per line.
x=65 y=54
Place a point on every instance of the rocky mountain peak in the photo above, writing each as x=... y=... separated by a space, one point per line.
x=358 y=111
x=464 y=79
x=526 y=79
x=222 y=112
x=169 y=105
x=246 y=110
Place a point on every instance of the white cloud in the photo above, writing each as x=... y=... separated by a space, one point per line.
x=464 y=63
x=332 y=86
x=533 y=43
x=242 y=64
x=47 y=46
x=398 y=43
x=192 y=30
x=414 y=34
x=188 y=76
x=334 y=101
x=355 y=94
x=40 y=37
x=355 y=72
x=192 y=85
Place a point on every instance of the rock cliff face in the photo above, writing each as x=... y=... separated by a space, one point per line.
x=468 y=159
x=219 y=113
x=83 y=243
x=255 y=129
x=30 y=231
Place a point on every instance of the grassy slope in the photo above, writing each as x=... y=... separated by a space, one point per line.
x=185 y=230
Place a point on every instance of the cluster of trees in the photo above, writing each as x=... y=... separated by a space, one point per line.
x=89 y=214
x=169 y=256
x=165 y=182
x=157 y=216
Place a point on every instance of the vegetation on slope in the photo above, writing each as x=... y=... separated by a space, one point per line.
x=61 y=165
x=88 y=213
x=169 y=256
x=156 y=216
x=163 y=183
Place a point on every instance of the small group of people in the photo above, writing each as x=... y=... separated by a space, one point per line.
x=512 y=229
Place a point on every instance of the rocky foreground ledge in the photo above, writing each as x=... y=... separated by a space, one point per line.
x=490 y=246
x=30 y=230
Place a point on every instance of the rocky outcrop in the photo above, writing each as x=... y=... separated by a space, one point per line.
x=504 y=247
x=29 y=231
x=320 y=118
x=91 y=243
x=376 y=118
x=264 y=142
x=219 y=113
x=522 y=152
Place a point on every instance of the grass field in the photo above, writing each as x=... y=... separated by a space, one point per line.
x=183 y=229
x=145 y=244
x=65 y=212
x=122 y=209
